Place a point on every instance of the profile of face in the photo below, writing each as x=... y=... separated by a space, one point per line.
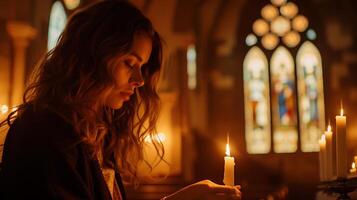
x=127 y=71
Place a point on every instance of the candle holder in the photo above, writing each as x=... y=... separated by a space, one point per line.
x=340 y=186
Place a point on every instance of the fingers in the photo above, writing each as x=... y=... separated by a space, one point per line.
x=211 y=190
x=223 y=189
x=227 y=192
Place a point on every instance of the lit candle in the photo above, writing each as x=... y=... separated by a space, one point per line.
x=329 y=154
x=322 y=158
x=228 y=167
x=353 y=168
x=341 y=152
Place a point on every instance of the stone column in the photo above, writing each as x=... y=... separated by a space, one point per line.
x=21 y=33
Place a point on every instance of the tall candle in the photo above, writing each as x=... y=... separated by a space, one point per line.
x=330 y=163
x=228 y=167
x=341 y=152
x=322 y=158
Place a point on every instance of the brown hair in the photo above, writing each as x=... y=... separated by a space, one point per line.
x=74 y=78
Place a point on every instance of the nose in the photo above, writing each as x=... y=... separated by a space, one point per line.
x=136 y=79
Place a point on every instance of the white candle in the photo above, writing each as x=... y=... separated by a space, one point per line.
x=322 y=158
x=330 y=163
x=341 y=152
x=228 y=167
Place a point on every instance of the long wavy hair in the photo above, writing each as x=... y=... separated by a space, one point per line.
x=75 y=78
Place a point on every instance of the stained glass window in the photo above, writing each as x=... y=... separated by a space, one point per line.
x=57 y=22
x=282 y=70
x=257 y=109
x=296 y=106
x=311 y=101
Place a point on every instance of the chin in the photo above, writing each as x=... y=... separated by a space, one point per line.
x=116 y=105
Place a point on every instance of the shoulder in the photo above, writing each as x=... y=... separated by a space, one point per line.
x=40 y=126
x=40 y=118
x=40 y=135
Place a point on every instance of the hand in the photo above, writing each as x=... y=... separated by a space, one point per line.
x=206 y=190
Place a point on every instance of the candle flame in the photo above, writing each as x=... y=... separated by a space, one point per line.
x=228 y=152
x=353 y=165
x=341 y=113
x=323 y=138
x=329 y=127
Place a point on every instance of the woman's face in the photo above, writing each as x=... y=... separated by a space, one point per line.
x=127 y=71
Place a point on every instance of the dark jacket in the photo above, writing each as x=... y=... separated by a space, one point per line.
x=43 y=159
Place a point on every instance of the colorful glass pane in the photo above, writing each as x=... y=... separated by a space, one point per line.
x=311 y=98
x=284 y=112
x=256 y=98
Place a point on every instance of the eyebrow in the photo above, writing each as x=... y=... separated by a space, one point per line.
x=137 y=56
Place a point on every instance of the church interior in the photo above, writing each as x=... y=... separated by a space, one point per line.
x=270 y=75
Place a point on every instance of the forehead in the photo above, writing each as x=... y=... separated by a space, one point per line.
x=142 y=46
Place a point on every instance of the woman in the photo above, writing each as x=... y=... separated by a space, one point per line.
x=79 y=129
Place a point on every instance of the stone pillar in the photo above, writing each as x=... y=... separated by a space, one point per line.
x=21 y=33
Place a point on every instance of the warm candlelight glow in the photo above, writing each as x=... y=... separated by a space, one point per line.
x=228 y=152
x=329 y=127
x=228 y=178
x=353 y=170
x=341 y=112
x=160 y=137
x=4 y=109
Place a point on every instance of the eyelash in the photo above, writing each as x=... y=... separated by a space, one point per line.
x=130 y=66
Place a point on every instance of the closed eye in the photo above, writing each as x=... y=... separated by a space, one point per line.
x=129 y=65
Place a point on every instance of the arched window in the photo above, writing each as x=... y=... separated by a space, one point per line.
x=282 y=76
x=290 y=106
x=256 y=97
x=311 y=101
x=57 y=22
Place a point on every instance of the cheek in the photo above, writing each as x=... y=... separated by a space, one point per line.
x=121 y=78
x=119 y=83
